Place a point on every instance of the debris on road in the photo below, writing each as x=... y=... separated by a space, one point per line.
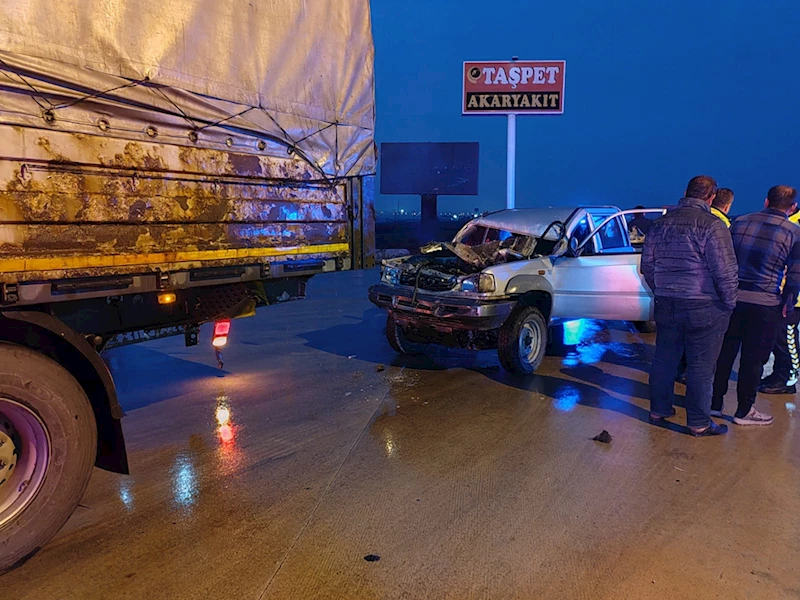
x=372 y=558
x=603 y=437
x=380 y=369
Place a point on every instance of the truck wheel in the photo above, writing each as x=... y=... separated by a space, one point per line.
x=645 y=326
x=522 y=340
x=48 y=443
x=397 y=339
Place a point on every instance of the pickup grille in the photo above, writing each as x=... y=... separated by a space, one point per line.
x=429 y=280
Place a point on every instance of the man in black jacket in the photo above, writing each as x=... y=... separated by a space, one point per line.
x=689 y=263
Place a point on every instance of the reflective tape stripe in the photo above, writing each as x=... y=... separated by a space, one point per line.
x=65 y=263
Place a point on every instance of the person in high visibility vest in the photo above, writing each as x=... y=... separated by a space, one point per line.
x=786 y=367
x=720 y=208
x=722 y=205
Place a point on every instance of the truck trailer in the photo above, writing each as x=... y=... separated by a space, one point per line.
x=163 y=164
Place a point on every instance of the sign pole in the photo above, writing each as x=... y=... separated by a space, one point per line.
x=511 y=162
x=511 y=88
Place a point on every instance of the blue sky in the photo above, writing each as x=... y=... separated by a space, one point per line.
x=657 y=91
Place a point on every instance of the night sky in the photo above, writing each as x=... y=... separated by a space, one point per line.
x=656 y=92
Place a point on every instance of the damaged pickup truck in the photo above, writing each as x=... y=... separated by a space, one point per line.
x=507 y=277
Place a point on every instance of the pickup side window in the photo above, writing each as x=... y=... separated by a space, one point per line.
x=611 y=236
x=581 y=232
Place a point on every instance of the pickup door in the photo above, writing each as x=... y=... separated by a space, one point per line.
x=605 y=281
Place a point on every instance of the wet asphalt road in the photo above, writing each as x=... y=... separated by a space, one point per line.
x=466 y=482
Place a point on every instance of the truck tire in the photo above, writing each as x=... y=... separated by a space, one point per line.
x=49 y=440
x=522 y=340
x=645 y=326
x=397 y=338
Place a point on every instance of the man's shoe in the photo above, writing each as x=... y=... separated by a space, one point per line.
x=712 y=429
x=716 y=413
x=655 y=419
x=777 y=389
x=754 y=417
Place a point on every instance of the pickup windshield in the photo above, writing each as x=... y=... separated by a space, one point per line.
x=478 y=235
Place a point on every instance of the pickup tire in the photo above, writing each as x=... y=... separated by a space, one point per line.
x=522 y=340
x=397 y=338
x=49 y=437
x=645 y=326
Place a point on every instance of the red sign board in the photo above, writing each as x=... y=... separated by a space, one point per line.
x=514 y=87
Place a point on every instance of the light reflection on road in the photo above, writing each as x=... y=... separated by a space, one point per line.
x=579 y=334
x=229 y=454
x=567 y=398
x=126 y=493
x=184 y=481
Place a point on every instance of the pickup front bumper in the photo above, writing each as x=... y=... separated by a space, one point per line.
x=445 y=313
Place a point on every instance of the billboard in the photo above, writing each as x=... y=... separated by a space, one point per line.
x=533 y=87
x=444 y=168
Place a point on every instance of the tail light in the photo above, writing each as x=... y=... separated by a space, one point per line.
x=221 y=331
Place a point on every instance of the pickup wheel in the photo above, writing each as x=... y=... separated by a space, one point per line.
x=522 y=340
x=48 y=444
x=645 y=326
x=397 y=338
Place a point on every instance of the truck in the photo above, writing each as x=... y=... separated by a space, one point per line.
x=163 y=164
x=508 y=278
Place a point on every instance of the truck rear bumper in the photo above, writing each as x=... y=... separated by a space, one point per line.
x=442 y=313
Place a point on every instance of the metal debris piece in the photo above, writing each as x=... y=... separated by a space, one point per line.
x=603 y=437
x=372 y=558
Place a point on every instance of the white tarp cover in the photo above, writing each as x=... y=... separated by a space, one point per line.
x=219 y=73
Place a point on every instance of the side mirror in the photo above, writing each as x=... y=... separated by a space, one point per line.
x=573 y=247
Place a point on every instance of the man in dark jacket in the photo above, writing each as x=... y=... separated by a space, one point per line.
x=689 y=263
x=720 y=208
x=768 y=248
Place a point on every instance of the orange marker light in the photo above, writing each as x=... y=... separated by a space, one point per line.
x=167 y=298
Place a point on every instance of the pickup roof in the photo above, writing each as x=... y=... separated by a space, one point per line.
x=508 y=275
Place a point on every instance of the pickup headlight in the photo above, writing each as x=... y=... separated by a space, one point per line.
x=390 y=275
x=482 y=283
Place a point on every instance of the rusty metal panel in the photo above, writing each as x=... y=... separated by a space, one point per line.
x=76 y=205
